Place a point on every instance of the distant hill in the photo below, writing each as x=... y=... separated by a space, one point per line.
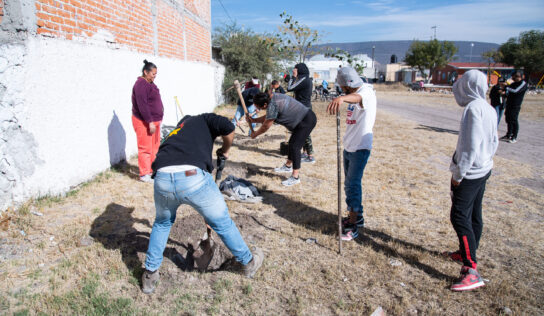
x=384 y=49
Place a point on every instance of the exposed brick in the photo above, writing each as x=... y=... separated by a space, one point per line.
x=131 y=24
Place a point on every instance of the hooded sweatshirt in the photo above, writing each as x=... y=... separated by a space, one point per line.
x=477 y=142
x=302 y=85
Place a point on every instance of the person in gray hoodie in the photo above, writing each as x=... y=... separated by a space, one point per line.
x=470 y=168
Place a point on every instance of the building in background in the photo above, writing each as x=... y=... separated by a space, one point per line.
x=66 y=73
x=455 y=70
x=326 y=68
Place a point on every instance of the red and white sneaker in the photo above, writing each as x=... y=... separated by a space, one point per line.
x=470 y=279
x=453 y=256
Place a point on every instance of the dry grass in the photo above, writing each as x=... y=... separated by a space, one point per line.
x=406 y=198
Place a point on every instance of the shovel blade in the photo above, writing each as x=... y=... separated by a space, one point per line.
x=203 y=254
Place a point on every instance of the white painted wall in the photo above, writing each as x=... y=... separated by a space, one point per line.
x=74 y=100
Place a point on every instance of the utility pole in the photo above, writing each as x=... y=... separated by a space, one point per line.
x=373 y=66
x=434 y=27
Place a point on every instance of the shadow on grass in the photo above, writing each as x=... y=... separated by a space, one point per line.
x=437 y=129
x=127 y=169
x=114 y=228
x=378 y=241
x=326 y=223
x=246 y=143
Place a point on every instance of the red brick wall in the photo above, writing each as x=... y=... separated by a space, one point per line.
x=170 y=31
x=1 y=10
x=198 y=48
x=131 y=24
x=199 y=8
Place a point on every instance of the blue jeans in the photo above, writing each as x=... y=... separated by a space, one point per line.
x=240 y=113
x=354 y=166
x=500 y=111
x=199 y=191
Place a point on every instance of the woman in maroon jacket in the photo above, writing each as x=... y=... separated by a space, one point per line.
x=147 y=112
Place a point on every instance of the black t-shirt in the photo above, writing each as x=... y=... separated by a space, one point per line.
x=191 y=142
x=248 y=95
x=495 y=95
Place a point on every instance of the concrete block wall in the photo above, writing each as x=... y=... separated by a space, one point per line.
x=66 y=74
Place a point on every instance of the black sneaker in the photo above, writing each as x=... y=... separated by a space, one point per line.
x=505 y=137
x=349 y=232
x=360 y=222
x=512 y=140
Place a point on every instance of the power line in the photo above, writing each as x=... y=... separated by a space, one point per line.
x=226 y=11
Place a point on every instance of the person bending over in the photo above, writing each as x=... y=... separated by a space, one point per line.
x=248 y=95
x=182 y=176
x=297 y=118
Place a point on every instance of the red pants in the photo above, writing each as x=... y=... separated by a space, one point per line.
x=148 y=144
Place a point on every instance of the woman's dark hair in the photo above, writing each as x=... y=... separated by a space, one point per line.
x=147 y=66
x=260 y=99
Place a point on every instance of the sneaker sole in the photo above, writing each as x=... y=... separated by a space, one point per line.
x=468 y=287
x=289 y=184
x=350 y=238
x=283 y=171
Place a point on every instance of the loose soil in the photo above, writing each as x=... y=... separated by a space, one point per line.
x=85 y=254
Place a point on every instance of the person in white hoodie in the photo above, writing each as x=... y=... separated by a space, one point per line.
x=470 y=168
x=360 y=118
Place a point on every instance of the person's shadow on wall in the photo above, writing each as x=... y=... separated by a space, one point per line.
x=114 y=229
x=117 y=141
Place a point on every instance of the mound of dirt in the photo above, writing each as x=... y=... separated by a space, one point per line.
x=187 y=233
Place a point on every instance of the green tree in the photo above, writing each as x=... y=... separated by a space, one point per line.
x=343 y=55
x=430 y=55
x=294 y=39
x=492 y=56
x=244 y=54
x=525 y=51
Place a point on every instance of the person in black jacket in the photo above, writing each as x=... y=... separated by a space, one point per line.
x=514 y=97
x=498 y=98
x=248 y=95
x=276 y=87
x=301 y=85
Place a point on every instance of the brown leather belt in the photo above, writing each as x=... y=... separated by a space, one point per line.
x=189 y=173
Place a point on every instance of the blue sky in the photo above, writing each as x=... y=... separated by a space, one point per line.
x=380 y=20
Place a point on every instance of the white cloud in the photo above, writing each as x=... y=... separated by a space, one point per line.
x=483 y=21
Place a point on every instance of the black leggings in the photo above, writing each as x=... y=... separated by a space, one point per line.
x=511 y=116
x=466 y=216
x=300 y=133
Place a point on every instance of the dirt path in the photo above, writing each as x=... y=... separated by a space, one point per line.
x=445 y=119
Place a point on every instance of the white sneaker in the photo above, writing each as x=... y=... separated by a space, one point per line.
x=146 y=178
x=291 y=181
x=308 y=159
x=283 y=169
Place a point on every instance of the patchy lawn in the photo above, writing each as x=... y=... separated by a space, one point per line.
x=85 y=254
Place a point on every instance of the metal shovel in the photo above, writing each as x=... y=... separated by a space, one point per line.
x=205 y=250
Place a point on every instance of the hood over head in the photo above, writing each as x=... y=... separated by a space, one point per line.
x=348 y=77
x=472 y=86
x=302 y=69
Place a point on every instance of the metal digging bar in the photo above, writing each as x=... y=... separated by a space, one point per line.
x=339 y=167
